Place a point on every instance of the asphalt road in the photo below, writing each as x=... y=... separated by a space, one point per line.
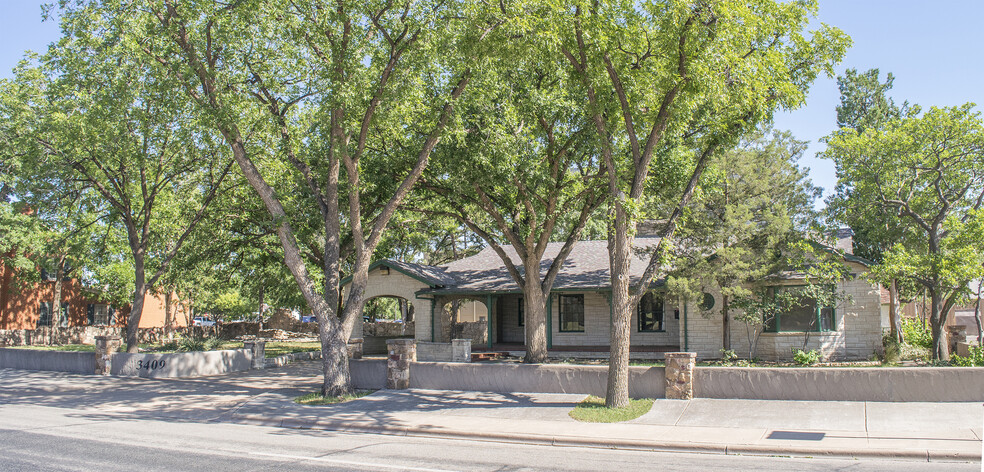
x=48 y=438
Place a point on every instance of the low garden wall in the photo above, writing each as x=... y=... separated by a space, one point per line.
x=368 y=373
x=57 y=361
x=87 y=334
x=644 y=382
x=181 y=364
x=876 y=384
x=879 y=384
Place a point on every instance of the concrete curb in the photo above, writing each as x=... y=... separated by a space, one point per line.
x=607 y=443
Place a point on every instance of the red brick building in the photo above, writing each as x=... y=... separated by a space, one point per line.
x=28 y=305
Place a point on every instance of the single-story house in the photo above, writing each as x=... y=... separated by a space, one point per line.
x=580 y=314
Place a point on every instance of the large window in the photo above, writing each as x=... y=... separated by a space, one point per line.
x=520 y=314
x=650 y=312
x=45 y=315
x=572 y=313
x=99 y=315
x=805 y=316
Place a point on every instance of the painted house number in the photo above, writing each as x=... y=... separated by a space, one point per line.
x=150 y=365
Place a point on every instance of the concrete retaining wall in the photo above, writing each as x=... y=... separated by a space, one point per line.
x=644 y=382
x=368 y=373
x=58 y=361
x=886 y=384
x=434 y=352
x=181 y=364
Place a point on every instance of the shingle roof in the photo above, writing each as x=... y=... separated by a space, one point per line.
x=433 y=275
x=586 y=268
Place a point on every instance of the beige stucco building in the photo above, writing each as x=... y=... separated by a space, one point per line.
x=580 y=315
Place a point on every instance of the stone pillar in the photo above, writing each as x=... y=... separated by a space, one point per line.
x=956 y=334
x=355 y=348
x=680 y=375
x=259 y=352
x=106 y=346
x=401 y=353
x=461 y=350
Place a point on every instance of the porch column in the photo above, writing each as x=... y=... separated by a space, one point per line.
x=549 y=320
x=488 y=320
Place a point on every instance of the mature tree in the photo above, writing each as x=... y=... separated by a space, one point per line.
x=928 y=171
x=303 y=91
x=532 y=178
x=865 y=104
x=99 y=123
x=754 y=202
x=687 y=78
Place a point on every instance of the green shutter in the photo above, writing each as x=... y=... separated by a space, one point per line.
x=90 y=314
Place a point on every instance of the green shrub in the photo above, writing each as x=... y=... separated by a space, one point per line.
x=728 y=357
x=893 y=350
x=810 y=357
x=917 y=334
x=190 y=344
x=975 y=359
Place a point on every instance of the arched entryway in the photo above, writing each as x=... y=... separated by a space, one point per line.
x=464 y=317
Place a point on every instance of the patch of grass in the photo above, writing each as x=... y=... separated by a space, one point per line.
x=593 y=410
x=274 y=349
x=63 y=347
x=317 y=398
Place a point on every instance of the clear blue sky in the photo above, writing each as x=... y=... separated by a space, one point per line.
x=934 y=48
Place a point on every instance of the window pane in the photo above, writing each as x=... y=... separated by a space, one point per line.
x=572 y=312
x=800 y=318
x=101 y=315
x=827 y=319
x=520 y=312
x=650 y=313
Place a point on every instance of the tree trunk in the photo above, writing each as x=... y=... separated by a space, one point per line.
x=893 y=311
x=977 y=315
x=535 y=314
x=336 y=365
x=725 y=323
x=56 y=300
x=260 y=306
x=136 y=306
x=168 y=316
x=620 y=252
x=937 y=321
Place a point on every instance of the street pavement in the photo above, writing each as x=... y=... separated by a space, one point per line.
x=902 y=431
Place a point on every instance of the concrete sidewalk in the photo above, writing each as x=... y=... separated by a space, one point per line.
x=920 y=431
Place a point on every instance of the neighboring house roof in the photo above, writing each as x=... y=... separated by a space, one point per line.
x=586 y=268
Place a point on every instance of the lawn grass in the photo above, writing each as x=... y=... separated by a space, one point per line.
x=273 y=349
x=314 y=399
x=593 y=410
x=62 y=347
x=279 y=348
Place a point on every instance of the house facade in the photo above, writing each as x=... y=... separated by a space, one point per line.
x=27 y=305
x=580 y=310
